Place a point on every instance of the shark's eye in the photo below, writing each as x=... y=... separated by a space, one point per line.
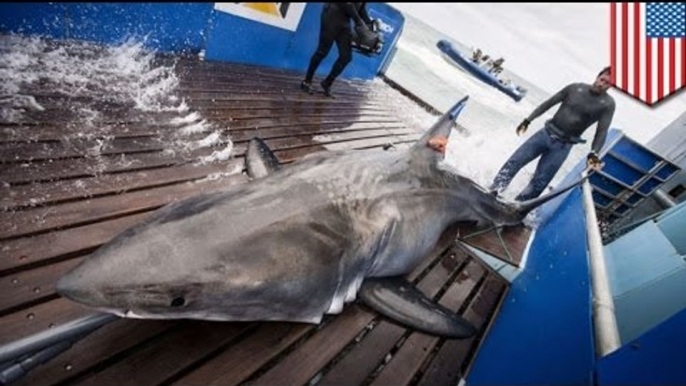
x=178 y=302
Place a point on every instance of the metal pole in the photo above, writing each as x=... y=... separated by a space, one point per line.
x=604 y=320
x=664 y=199
x=18 y=370
x=47 y=338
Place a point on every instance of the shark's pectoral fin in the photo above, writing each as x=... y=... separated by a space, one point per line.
x=260 y=159
x=399 y=300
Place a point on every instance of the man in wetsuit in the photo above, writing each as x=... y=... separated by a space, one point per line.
x=582 y=105
x=335 y=26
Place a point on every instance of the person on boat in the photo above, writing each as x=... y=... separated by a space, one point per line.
x=476 y=56
x=485 y=61
x=335 y=26
x=497 y=66
x=581 y=106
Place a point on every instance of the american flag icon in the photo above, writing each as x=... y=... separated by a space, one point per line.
x=648 y=49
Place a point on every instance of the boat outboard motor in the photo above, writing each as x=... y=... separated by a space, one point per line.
x=368 y=41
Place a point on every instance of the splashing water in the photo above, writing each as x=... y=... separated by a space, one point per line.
x=91 y=88
x=490 y=116
x=119 y=74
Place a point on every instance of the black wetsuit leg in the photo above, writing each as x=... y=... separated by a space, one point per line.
x=334 y=27
x=345 y=55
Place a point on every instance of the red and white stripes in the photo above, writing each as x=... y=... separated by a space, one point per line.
x=648 y=68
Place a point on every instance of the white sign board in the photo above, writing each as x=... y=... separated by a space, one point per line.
x=281 y=15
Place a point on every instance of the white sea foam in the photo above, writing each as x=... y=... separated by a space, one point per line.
x=86 y=77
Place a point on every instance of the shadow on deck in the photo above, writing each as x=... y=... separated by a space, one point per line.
x=66 y=193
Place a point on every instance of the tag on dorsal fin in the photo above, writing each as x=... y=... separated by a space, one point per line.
x=401 y=301
x=260 y=160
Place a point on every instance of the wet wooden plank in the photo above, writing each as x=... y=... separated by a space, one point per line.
x=38 y=318
x=234 y=74
x=416 y=349
x=72 y=169
x=58 y=133
x=509 y=249
x=53 y=193
x=357 y=364
x=241 y=360
x=40 y=220
x=165 y=357
x=448 y=365
x=302 y=364
x=361 y=361
x=31 y=252
x=32 y=285
x=45 y=151
x=101 y=346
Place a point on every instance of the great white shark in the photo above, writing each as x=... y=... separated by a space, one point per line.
x=298 y=241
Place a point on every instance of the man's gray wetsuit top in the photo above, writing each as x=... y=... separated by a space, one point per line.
x=580 y=108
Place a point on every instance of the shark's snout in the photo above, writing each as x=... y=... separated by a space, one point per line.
x=76 y=287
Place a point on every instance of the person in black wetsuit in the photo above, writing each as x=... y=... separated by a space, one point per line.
x=335 y=26
x=582 y=105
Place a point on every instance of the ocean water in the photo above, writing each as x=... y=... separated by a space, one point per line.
x=490 y=115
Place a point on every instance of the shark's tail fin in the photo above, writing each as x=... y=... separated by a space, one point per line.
x=524 y=207
x=443 y=126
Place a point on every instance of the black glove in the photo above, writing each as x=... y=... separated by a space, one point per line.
x=593 y=161
x=521 y=129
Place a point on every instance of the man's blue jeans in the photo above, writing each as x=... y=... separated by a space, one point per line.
x=553 y=153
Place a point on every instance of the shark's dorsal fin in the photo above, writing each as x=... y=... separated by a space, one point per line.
x=441 y=128
x=400 y=301
x=260 y=159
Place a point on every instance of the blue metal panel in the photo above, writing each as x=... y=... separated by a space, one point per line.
x=606 y=184
x=634 y=198
x=166 y=27
x=649 y=186
x=46 y=19
x=673 y=225
x=369 y=67
x=655 y=358
x=644 y=307
x=641 y=157
x=640 y=256
x=174 y=27
x=543 y=333
x=621 y=170
x=666 y=171
x=601 y=199
x=631 y=173
x=236 y=39
x=550 y=208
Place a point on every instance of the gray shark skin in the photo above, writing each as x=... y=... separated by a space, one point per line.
x=293 y=245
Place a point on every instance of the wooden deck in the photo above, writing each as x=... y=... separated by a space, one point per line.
x=60 y=200
x=507 y=244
